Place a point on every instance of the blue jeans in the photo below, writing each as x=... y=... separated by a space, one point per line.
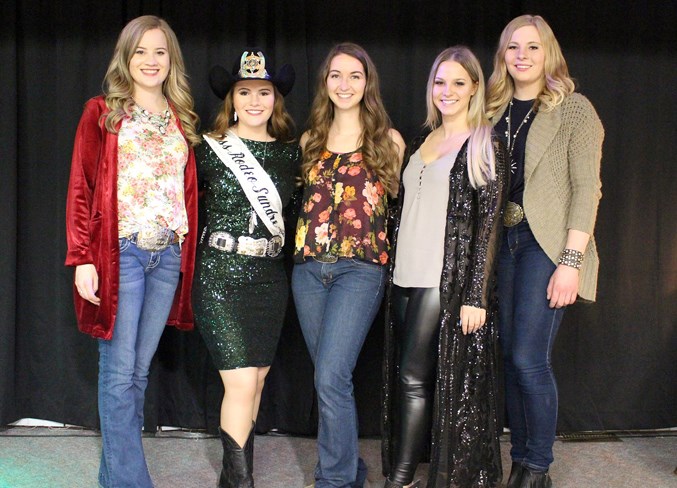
x=528 y=327
x=336 y=305
x=148 y=282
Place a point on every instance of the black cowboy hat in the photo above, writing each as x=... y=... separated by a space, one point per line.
x=252 y=65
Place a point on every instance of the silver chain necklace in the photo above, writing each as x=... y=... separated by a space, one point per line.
x=508 y=134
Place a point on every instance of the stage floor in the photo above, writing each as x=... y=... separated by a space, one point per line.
x=39 y=457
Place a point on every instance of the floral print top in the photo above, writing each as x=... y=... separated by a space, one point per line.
x=343 y=211
x=150 y=176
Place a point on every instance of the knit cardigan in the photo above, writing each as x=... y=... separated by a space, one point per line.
x=562 y=185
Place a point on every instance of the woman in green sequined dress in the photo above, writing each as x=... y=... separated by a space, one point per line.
x=241 y=286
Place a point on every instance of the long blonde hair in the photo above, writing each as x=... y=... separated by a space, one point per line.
x=118 y=84
x=557 y=84
x=481 y=158
x=379 y=152
x=280 y=124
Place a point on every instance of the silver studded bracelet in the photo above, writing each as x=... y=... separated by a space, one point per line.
x=571 y=257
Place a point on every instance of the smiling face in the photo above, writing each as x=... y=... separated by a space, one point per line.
x=149 y=64
x=346 y=82
x=253 y=101
x=525 y=61
x=452 y=90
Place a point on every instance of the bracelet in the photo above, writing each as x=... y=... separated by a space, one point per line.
x=571 y=257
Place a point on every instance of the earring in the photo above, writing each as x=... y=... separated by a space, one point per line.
x=235 y=116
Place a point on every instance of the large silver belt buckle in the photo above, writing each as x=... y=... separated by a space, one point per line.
x=514 y=214
x=274 y=247
x=326 y=258
x=154 y=239
x=252 y=247
x=223 y=241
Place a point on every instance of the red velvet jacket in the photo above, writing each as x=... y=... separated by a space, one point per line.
x=92 y=224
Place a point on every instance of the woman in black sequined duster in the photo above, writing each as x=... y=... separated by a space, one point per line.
x=464 y=448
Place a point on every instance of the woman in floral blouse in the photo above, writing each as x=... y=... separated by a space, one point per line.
x=131 y=224
x=351 y=157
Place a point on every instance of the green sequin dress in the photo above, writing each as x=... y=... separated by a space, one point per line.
x=240 y=301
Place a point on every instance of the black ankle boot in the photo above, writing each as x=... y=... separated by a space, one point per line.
x=249 y=451
x=235 y=472
x=516 y=474
x=535 y=479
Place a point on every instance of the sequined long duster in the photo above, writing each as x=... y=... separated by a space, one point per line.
x=240 y=301
x=464 y=449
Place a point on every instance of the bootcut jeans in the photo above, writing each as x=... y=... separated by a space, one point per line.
x=336 y=305
x=148 y=282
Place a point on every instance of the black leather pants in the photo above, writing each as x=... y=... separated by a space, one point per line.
x=416 y=316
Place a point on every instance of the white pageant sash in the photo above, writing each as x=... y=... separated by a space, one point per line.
x=253 y=179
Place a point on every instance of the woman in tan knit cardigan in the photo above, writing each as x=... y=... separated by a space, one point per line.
x=548 y=255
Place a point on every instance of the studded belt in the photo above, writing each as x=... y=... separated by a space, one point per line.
x=248 y=246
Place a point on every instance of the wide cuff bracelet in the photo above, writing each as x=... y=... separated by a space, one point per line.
x=571 y=257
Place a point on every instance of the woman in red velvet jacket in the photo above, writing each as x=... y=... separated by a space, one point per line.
x=131 y=220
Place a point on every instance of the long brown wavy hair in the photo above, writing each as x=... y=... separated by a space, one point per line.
x=280 y=124
x=379 y=152
x=118 y=84
x=557 y=84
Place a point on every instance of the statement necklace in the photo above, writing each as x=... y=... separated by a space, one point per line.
x=160 y=121
x=511 y=138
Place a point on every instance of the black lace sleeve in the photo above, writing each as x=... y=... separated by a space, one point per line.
x=490 y=202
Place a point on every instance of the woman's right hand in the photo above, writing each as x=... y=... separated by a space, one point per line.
x=472 y=319
x=87 y=283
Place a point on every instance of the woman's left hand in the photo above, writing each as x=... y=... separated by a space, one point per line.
x=563 y=286
x=472 y=319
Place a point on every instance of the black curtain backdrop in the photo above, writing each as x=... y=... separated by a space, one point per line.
x=615 y=360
